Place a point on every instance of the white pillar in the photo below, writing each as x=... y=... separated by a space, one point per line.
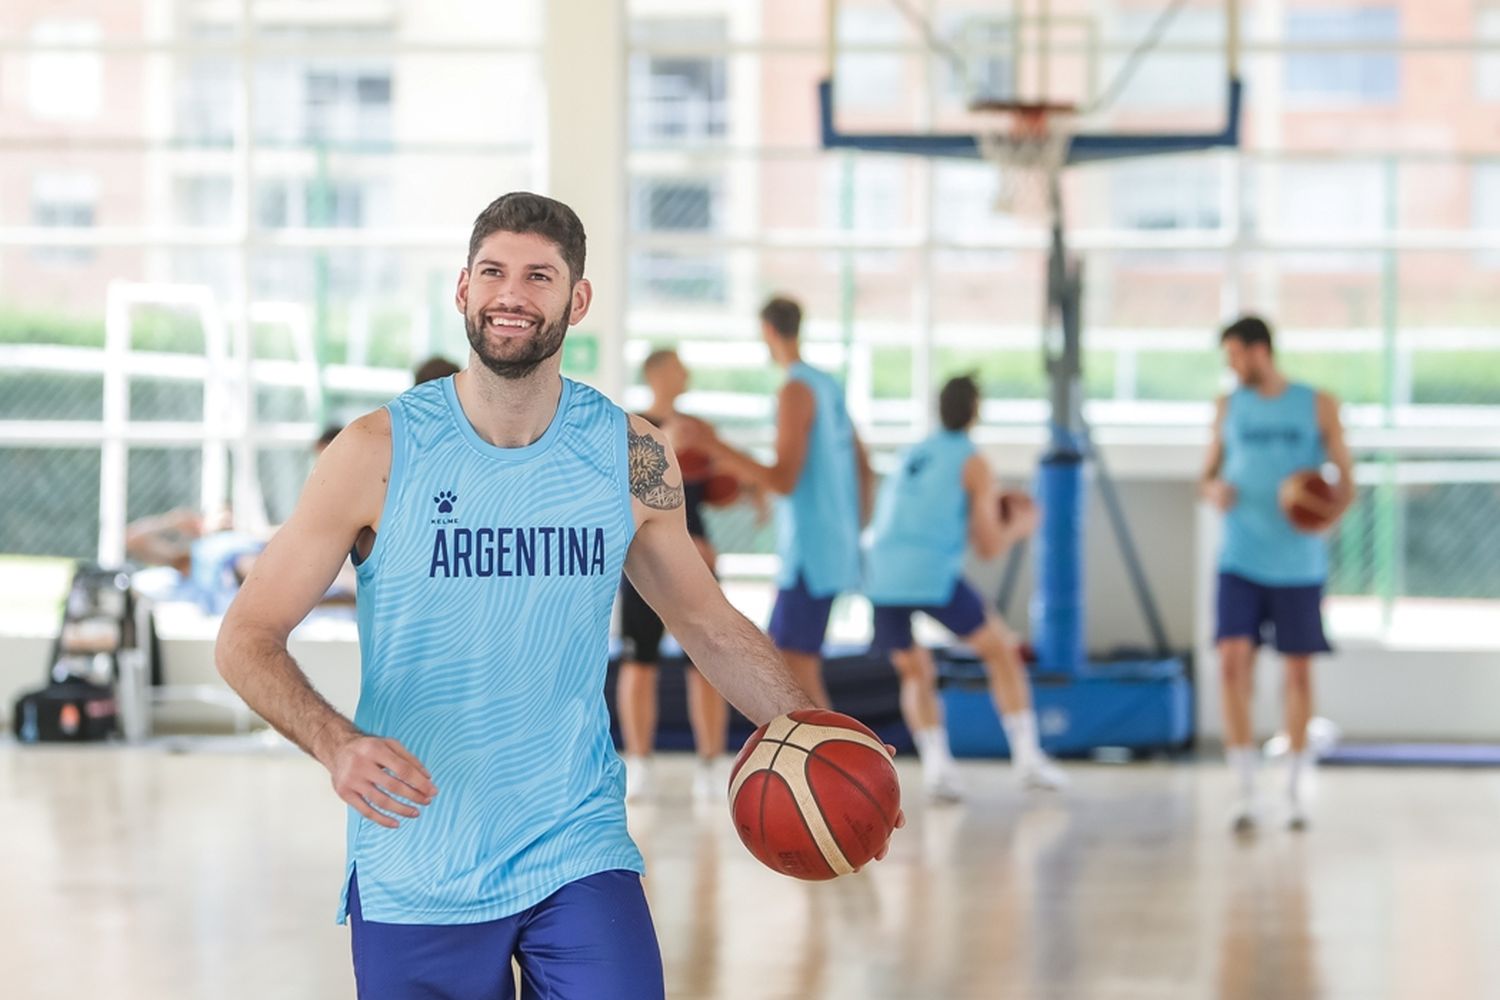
x=114 y=452
x=583 y=71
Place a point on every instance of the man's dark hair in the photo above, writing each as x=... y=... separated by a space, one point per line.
x=783 y=315
x=524 y=212
x=1248 y=330
x=435 y=367
x=329 y=433
x=958 y=402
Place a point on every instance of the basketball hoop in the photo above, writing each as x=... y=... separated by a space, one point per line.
x=1029 y=153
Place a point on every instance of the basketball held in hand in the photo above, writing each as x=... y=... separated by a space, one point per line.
x=720 y=490
x=695 y=465
x=1307 y=501
x=814 y=795
x=1018 y=512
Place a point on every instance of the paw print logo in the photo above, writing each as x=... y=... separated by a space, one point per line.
x=445 y=501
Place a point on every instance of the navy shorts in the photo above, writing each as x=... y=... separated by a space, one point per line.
x=799 y=621
x=1294 y=614
x=590 y=940
x=962 y=615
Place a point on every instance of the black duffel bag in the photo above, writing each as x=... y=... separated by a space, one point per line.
x=70 y=711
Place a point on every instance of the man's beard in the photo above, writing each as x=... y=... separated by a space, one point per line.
x=537 y=348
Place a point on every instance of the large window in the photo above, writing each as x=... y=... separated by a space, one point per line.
x=65 y=82
x=1487 y=70
x=872 y=79
x=1187 y=68
x=297 y=208
x=188 y=209
x=1316 y=77
x=680 y=98
x=1360 y=216
x=1486 y=208
x=1177 y=193
x=325 y=101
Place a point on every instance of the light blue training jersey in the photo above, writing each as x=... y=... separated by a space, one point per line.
x=484 y=614
x=818 y=524
x=1266 y=440
x=921 y=525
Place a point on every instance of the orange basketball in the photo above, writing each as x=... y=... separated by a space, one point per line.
x=814 y=795
x=720 y=490
x=695 y=465
x=1307 y=500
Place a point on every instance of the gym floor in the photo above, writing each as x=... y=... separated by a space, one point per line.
x=143 y=874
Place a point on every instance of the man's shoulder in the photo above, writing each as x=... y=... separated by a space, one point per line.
x=430 y=395
x=809 y=375
x=584 y=399
x=1307 y=390
x=373 y=427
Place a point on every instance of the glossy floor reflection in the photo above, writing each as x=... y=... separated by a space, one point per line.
x=145 y=874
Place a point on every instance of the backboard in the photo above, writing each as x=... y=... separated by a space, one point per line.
x=1152 y=75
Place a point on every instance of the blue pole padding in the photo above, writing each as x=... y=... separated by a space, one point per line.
x=1057 y=611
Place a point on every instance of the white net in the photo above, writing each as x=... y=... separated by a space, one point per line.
x=1027 y=156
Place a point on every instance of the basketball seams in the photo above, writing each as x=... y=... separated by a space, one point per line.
x=825 y=734
x=795 y=777
x=852 y=780
x=776 y=775
x=750 y=766
x=795 y=780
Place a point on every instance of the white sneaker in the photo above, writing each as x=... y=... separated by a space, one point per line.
x=637 y=778
x=706 y=785
x=943 y=785
x=1244 y=817
x=1041 y=774
x=1323 y=737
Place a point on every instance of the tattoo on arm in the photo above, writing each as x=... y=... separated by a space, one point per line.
x=648 y=464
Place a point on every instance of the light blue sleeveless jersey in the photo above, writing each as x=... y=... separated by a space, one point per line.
x=1266 y=440
x=818 y=524
x=484 y=613
x=921 y=525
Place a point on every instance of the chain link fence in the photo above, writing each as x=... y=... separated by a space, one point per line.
x=49 y=501
x=1422 y=529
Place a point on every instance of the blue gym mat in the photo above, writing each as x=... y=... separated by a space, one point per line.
x=1415 y=754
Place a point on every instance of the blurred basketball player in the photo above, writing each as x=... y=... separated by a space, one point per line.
x=433 y=368
x=1270 y=574
x=940 y=501
x=642 y=629
x=823 y=475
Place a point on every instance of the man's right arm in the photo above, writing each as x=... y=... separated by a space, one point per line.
x=794 y=416
x=1210 y=487
x=340 y=503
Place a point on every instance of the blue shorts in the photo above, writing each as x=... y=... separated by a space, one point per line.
x=590 y=940
x=962 y=615
x=799 y=621
x=1295 y=614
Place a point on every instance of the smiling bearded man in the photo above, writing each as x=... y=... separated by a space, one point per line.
x=491 y=514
